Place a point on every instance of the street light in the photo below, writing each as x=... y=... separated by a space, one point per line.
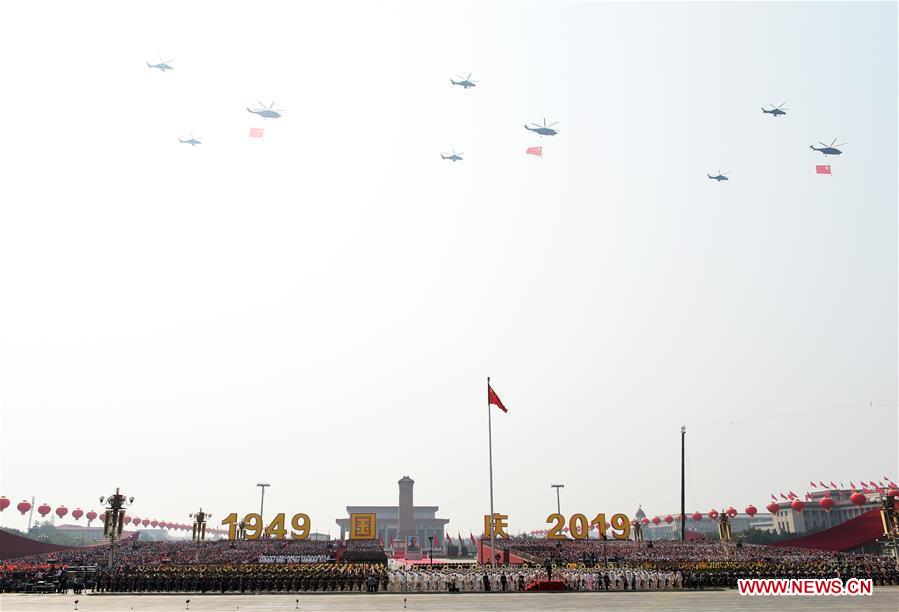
x=431 y=552
x=113 y=519
x=558 y=503
x=262 y=485
x=683 y=510
x=199 y=531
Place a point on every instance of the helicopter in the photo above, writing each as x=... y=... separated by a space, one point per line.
x=464 y=82
x=266 y=112
x=719 y=177
x=192 y=141
x=776 y=110
x=162 y=66
x=543 y=130
x=454 y=157
x=830 y=149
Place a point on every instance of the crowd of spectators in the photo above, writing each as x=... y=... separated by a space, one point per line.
x=303 y=565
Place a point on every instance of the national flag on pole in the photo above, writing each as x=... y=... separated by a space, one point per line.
x=853 y=484
x=793 y=495
x=822 y=484
x=459 y=536
x=538 y=151
x=833 y=485
x=784 y=496
x=814 y=486
x=256 y=132
x=772 y=497
x=473 y=541
x=822 y=169
x=493 y=398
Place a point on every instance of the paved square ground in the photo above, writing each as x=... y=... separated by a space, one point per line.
x=885 y=599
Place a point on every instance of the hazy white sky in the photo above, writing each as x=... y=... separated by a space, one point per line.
x=320 y=310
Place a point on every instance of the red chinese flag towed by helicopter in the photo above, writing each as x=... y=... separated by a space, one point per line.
x=822 y=169
x=256 y=132
x=538 y=151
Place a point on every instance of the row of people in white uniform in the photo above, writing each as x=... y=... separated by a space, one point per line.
x=479 y=580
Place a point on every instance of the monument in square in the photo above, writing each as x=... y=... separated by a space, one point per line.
x=405 y=530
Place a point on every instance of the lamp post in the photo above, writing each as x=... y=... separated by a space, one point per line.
x=683 y=510
x=113 y=519
x=262 y=485
x=431 y=551
x=199 y=531
x=558 y=502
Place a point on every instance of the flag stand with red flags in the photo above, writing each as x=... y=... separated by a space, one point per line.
x=492 y=399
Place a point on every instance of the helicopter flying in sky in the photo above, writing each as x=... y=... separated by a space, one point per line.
x=543 y=130
x=826 y=149
x=162 y=66
x=192 y=141
x=454 y=157
x=465 y=82
x=266 y=112
x=720 y=176
x=776 y=110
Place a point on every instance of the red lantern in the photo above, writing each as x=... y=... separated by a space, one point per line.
x=773 y=508
x=126 y=520
x=697 y=516
x=797 y=505
x=154 y=523
x=731 y=512
x=826 y=503
x=23 y=506
x=669 y=519
x=656 y=520
x=44 y=509
x=145 y=522
x=77 y=513
x=751 y=510
x=62 y=511
x=90 y=516
x=4 y=504
x=135 y=521
x=858 y=498
x=713 y=514
x=644 y=521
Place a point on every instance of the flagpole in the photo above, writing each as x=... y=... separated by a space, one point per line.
x=490 y=447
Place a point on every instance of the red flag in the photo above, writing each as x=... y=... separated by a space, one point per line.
x=256 y=132
x=473 y=541
x=822 y=169
x=822 y=484
x=538 y=151
x=459 y=536
x=813 y=484
x=772 y=497
x=853 y=484
x=784 y=496
x=793 y=495
x=493 y=398
x=833 y=485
